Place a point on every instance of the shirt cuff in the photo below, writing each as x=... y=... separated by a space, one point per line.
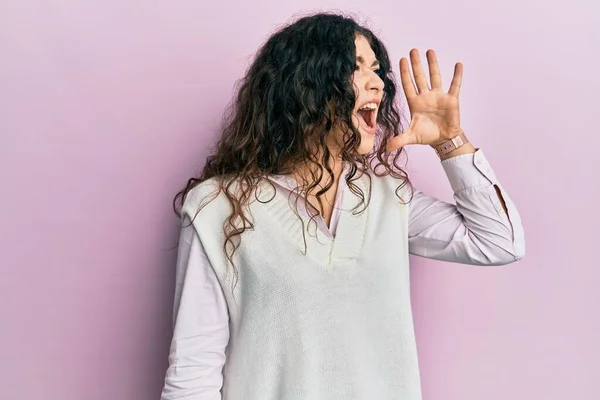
x=469 y=171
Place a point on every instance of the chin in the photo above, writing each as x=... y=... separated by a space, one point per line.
x=367 y=142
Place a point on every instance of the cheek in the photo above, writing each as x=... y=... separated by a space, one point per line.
x=357 y=82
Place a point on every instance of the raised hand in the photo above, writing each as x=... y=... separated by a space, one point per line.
x=435 y=116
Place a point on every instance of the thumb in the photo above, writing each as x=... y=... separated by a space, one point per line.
x=405 y=138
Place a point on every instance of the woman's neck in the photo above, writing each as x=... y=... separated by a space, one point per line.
x=306 y=173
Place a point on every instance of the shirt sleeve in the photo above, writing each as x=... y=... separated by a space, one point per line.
x=201 y=326
x=476 y=230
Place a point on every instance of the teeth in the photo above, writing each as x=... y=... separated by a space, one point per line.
x=369 y=106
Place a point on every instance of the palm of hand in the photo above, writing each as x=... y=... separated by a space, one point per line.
x=435 y=115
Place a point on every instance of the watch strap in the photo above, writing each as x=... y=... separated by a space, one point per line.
x=451 y=145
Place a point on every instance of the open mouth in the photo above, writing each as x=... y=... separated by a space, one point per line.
x=368 y=117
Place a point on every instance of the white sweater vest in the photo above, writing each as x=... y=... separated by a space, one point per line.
x=316 y=318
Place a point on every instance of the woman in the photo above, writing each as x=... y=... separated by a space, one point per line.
x=292 y=273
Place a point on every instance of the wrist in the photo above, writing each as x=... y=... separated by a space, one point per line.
x=450 y=147
x=452 y=135
x=467 y=148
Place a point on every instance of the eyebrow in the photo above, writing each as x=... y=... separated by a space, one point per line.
x=362 y=61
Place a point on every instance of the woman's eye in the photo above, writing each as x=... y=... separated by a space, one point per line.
x=357 y=68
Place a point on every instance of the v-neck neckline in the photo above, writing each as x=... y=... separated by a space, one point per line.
x=289 y=184
x=345 y=246
x=331 y=228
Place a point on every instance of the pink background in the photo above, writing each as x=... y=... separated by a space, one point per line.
x=106 y=107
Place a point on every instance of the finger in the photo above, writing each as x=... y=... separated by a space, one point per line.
x=456 y=80
x=401 y=140
x=434 y=70
x=407 y=83
x=418 y=72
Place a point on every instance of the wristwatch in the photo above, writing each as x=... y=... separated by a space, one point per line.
x=451 y=145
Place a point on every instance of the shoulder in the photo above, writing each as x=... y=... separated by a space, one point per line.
x=210 y=199
x=205 y=198
x=391 y=184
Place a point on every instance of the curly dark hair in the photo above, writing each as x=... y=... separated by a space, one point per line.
x=297 y=90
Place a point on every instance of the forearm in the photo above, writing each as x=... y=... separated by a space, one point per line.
x=468 y=148
x=482 y=228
